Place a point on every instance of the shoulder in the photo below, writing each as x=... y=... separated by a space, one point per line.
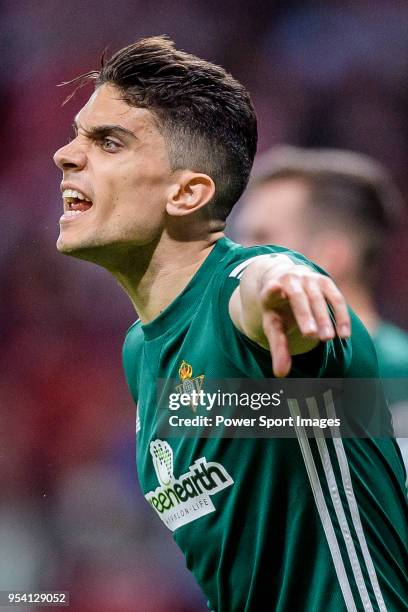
x=237 y=258
x=388 y=334
x=328 y=359
x=131 y=356
x=391 y=343
x=133 y=340
x=237 y=251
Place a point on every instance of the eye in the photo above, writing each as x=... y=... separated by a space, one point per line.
x=109 y=145
x=72 y=135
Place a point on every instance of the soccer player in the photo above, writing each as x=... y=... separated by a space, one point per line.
x=337 y=208
x=162 y=151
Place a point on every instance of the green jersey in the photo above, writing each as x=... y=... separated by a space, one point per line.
x=391 y=344
x=266 y=524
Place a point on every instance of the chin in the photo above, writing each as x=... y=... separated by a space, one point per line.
x=68 y=247
x=98 y=254
x=62 y=246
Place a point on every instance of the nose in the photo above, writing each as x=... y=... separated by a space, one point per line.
x=70 y=157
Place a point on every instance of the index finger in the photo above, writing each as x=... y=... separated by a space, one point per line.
x=278 y=343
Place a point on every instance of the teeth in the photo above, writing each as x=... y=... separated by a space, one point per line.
x=73 y=194
x=72 y=213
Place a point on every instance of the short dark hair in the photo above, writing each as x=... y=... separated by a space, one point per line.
x=346 y=189
x=205 y=115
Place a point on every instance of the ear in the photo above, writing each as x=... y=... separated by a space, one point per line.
x=191 y=192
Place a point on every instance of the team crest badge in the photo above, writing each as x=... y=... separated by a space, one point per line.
x=188 y=383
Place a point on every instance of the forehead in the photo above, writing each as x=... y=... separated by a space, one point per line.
x=105 y=106
x=283 y=192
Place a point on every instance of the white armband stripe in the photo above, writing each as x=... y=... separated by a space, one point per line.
x=238 y=271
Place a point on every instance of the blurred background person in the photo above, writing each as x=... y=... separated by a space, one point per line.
x=338 y=208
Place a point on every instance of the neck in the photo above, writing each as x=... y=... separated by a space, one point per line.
x=361 y=300
x=154 y=275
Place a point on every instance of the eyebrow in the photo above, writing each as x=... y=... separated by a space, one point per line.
x=100 y=131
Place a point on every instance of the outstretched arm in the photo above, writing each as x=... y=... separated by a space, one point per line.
x=283 y=306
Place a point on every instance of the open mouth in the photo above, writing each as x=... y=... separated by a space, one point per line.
x=75 y=204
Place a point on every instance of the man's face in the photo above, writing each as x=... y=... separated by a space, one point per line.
x=274 y=213
x=118 y=161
